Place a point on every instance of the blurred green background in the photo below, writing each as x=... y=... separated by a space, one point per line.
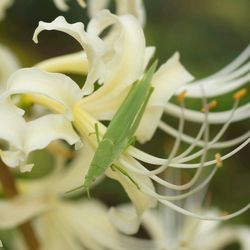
x=208 y=34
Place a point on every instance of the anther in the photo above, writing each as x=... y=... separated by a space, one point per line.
x=209 y=106
x=181 y=96
x=240 y=94
x=218 y=160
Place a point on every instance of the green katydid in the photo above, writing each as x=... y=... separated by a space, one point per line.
x=120 y=132
x=122 y=128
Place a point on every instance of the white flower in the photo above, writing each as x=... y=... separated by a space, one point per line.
x=116 y=62
x=61 y=223
x=170 y=230
x=24 y=137
x=4 y=4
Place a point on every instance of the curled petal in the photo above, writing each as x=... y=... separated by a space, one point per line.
x=56 y=91
x=133 y=7
x=61 y=4
x=103 y=109
x=44 y=130
x=169 y=77
x=92 y=45
x=24 y=138
x=128 y=221
x=125 y=56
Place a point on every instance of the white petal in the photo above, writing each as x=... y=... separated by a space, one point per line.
x=82 y=3
x=12 y=126
x=75 y=63
x=168 y=78
x=103 y=109
x=58 y=88
x=224 y=236
x=125 y=219
x=42 y=131
x=11 y=158
x=125 y=58
x=92 y=45
x=140 y=200
x=133 y=7
x=61 y=5
x=19 y=210
x=150 y=51
x=8 y=64
x=96 y=5
x=74 y=175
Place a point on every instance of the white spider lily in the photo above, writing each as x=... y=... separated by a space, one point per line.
x=59 y=223
x=133 y=7
x=122 y=68
x=170 y=230
x=62 y=5
x=118 y=61
x=4 y=5
x=185 y=233
x=24 y=137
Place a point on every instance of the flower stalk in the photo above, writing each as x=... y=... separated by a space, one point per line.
x=11 y=191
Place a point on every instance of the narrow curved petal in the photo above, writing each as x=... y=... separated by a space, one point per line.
x=12 y=158
x=133 y=7
x=56 y=91
x=92 y=45
x=81 y=3
x=125 y=56
x=12 y=126
x=168 y=78
x=44 y=130
x=61 y=4
x=95 y=6
x=74 y=175
x=128 y=221
x=103 y=109
x=8 y=63
x=17 y=211
x=75 y=63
